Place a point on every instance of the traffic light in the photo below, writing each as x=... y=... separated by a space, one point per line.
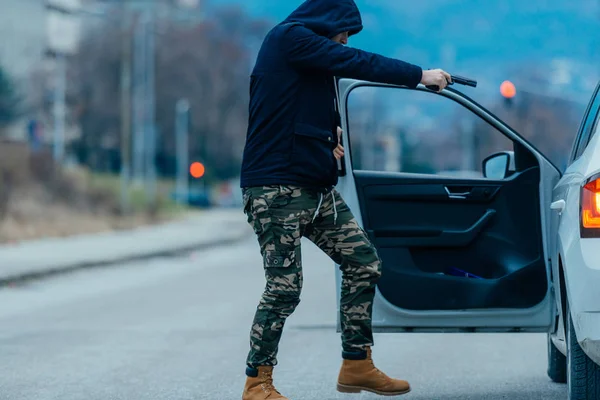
x=508 y=91
x=197 y=170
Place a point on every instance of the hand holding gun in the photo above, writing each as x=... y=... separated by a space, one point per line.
x=455 y=79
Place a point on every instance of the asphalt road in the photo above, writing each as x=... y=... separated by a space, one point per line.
x=178 y=329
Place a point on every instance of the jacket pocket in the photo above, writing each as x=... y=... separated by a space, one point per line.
x=312 y=154
x=310 y=131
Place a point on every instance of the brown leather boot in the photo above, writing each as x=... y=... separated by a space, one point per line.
x=358 y=375
x=260 y=387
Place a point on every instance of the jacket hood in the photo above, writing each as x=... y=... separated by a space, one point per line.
x=328 y=17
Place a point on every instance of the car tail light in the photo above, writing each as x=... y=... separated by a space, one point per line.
x=590 y=207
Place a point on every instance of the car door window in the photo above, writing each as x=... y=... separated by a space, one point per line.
x=588 y=126
x=418 y=132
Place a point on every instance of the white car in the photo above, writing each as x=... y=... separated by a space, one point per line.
x=517 y=250
x=574 y=339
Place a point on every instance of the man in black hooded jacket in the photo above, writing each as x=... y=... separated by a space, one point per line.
x=288 y=178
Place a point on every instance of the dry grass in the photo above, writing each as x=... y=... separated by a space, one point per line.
x=38 y=200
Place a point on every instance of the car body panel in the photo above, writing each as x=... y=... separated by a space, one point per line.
x=577 y=256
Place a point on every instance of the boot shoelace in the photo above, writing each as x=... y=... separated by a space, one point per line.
x=267 y=385
x=376 y=369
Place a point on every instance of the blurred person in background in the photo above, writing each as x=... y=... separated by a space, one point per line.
x=288 y=178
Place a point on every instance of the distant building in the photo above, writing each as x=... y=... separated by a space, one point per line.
x=31 y=32
x=22 y=36
x=22 y=45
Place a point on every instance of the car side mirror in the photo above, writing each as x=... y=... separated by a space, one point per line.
x=497 y=166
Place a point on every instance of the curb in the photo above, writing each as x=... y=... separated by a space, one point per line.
x=24 y=277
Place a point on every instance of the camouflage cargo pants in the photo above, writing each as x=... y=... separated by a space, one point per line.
x=280 y=217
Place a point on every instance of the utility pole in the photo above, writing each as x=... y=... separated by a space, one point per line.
x=125 y=108
x=150 y=144
x=59 y=108
x=139 y=87
x=181 y=131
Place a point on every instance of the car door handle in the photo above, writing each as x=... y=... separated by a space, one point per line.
x=558 y=205
x=457 y=195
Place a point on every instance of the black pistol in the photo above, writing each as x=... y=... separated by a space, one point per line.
x=461 y=80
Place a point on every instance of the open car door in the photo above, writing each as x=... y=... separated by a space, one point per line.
x=457 y=205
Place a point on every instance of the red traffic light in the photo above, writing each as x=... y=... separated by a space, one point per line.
x=197 y=170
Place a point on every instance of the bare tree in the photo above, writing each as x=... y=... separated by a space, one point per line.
x=207 y=62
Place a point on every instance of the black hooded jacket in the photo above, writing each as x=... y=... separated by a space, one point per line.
x=293 y=118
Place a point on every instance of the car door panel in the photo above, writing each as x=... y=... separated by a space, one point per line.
x=466 y=252
x=411 y=229
x=425 y=237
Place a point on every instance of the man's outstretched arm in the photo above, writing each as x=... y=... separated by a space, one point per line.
x=305 y=49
